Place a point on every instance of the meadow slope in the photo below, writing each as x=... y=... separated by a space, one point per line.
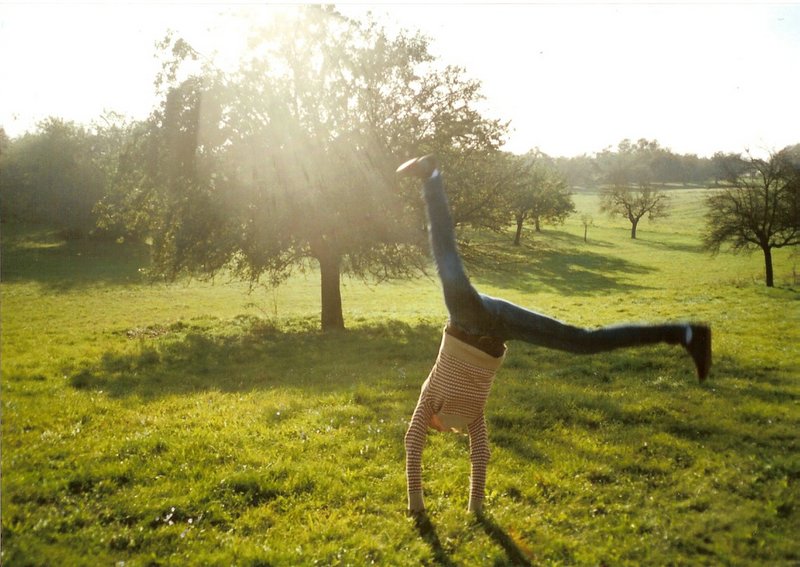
x=205 y=423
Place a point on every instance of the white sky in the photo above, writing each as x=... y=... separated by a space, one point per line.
x=572 y=78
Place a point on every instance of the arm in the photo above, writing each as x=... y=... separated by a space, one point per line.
x=415 y=442
x=479 y=457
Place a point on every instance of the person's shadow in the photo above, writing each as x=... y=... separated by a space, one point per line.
x=427 y=531
x=516 y=556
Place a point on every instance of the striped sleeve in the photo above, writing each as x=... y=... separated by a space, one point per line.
x=479 y=457
x=415 y=443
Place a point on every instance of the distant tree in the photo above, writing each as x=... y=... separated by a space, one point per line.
x=696 y=170
x=579 y=171
x=111 y=134
x=51 y=175
x=630 y=192
x=667 y=167
x=288 y=162
x=634 y=204
x=647 y=162
x=538 y=194
x=630 y=164
x=5 y=141
x=644 y=161
x=761 y=207
x=586 y=220
x=8 y=181
x=726 y=166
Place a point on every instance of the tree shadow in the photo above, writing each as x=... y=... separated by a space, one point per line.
x=254 y=354
x=569 y=269
x=570 y=239
x=40 y=255
x=427 y=531
x=517 y=553
x=673 y=246
x=732 y=384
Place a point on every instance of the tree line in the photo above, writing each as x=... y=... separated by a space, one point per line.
x=287 y=161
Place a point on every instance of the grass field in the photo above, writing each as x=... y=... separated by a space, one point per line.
x=204 y=424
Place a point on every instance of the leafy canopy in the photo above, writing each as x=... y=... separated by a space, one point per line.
x=290 y=158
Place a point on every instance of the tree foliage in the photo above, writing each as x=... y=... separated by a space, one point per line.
x=538 y=193
x=53 y=175
x=630 y=192
x=634 y=203
x=644 y=160
x=760 y=209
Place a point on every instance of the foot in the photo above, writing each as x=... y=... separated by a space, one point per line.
x=699 y=347
x=421 y=167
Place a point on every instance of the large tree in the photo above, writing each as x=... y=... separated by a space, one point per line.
x=288 y=162
x=760 y=209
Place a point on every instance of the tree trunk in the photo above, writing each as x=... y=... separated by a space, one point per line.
x=768 y=265
x=518 y=235
x=634 y=223
x=332 y=318
x=536 y=225
x=585 y=232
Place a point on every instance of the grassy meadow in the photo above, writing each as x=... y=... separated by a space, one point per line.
x=205 y=423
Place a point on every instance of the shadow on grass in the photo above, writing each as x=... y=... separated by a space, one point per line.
x=39 y=255
x=517 y=553
x=740 y=408
x=673 y=246
x=253 y=354
x=564 y=262
x=571 y=267
x=427 y=531
x=383 y=366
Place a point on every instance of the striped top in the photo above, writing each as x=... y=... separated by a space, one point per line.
x=454 y=395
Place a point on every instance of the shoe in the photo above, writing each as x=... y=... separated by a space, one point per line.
x=421 y=167
x=700 y=349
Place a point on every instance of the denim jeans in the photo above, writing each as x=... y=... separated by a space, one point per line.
x=479 y=314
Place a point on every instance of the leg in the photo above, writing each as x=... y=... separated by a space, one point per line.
x=516 y=323
x=512 y=322
x=464 y=304
x=479 y=314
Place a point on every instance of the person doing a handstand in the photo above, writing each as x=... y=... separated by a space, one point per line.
x=453 y=397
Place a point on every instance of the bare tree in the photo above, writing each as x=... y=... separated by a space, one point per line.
x=634 y=204
x=587 y=221
x=760 y=209
x=630 y=192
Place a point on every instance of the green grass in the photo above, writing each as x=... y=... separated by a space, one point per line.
x=205 y=424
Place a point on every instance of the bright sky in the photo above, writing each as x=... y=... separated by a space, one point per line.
x=572 y=78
